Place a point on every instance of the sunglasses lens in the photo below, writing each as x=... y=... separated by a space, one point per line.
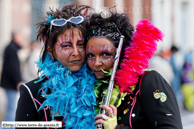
x=76 y=20
x=59 y=22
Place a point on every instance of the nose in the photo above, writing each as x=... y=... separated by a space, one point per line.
x=75 y=51
x=98 y=62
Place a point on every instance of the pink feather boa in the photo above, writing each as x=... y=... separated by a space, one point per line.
x=138 y=54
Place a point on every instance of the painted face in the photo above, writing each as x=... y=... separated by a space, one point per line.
x=100 y=55
x=70 y=50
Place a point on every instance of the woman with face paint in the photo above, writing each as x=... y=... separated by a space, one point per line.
x=140 y=99
x=64 y=90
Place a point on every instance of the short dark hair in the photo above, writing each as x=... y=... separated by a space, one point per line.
x=174 y=48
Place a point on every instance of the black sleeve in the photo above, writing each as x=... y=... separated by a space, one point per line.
x=26 y=110
x=160 y=114
x=122 y=127
x=14 y=68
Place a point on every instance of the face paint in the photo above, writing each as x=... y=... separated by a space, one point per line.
x=89 y=52
x=100 y=55
x=107 y=53
x=67 y=38
x=108 y=60
x=65 y=43
x=69 y=51
x=80 y=44
x=60 y=48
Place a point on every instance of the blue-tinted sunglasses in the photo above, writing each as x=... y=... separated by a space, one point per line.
x=62 y=21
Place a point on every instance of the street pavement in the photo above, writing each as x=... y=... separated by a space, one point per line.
x=187 y=119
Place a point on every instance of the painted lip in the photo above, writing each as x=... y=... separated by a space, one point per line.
x=75 y=61
x=99 y=72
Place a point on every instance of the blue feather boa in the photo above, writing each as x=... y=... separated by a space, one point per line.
x=72 y=93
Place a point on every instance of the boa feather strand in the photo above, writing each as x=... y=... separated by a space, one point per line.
x=136 y=59
x=72 y=93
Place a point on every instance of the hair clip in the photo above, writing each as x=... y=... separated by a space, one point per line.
x=85 y=13
x=49 y=19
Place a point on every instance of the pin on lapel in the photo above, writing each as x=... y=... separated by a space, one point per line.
x=167 y=114
x=125 y=111
x=133 y=115
x=160 y=95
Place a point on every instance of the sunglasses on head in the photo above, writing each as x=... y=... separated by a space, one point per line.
x=62 y=21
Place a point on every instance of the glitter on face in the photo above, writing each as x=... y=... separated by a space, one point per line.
x=88 y=51
x=103 y=50
x=80 y=45
x=107 y=60
x=60 y=46
x=100 y=55
x=69 y=49
x=66 y=40
x=107 y=50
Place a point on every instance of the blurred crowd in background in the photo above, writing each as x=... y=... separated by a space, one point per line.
x=174 y=59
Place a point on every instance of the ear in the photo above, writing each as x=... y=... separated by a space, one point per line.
x=50 y=52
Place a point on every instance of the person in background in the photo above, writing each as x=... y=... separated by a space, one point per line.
x=11 y=77
x=176 y=67
x=3 y=103
x=30 y=69
x=187 y=82
x=162 y=66
x=140 y=99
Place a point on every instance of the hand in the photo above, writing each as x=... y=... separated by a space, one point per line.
x=111 y=112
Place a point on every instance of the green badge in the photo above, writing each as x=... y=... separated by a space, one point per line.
x=160 y=95
x=157 y=95
x=163 y=97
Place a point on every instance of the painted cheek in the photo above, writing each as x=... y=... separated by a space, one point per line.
x=80 y=50
x=91 y=60
x=60 y=49
x=66 y=52
x=59 y=40
x=107 y=60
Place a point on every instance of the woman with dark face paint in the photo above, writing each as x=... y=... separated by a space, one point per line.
x=64 y=90
x=140 y=99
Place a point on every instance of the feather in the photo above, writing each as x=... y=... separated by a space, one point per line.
x=136 y=59
x=72 y=93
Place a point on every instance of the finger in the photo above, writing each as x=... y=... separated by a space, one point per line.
x=107 y=108
x=114 y=109
x=101 y=116
x=100 y=121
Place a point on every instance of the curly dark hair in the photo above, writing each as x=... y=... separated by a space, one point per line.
x=111 y=27
x=50 y=38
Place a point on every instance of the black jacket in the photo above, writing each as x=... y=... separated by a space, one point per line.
x=11 y=75
x=149 y=112
x=27 y=107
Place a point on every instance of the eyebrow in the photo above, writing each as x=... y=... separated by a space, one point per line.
x=89 y=50
x=106 y=48
x=80 y=40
